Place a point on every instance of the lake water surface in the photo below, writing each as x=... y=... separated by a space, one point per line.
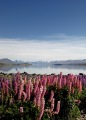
x=66 y=69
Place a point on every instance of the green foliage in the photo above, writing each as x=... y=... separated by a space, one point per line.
x=12 y=111
x=45 y=116
x=74 y=112
x=76 y=94
x=83 y=100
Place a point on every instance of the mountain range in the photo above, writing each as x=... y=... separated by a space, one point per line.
x=62 y=62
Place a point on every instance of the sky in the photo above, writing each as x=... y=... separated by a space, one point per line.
x=46 y=30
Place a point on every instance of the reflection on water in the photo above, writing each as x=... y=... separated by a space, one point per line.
x=48 y=69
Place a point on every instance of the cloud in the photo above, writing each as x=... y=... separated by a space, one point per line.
x=56 y=47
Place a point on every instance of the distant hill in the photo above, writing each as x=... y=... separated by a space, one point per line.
x=60 y=62
x=69 y=62
x=6 y=61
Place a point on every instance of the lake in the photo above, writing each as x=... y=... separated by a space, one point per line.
x=46 y=69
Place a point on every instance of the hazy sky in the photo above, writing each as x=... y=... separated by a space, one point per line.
x=32 y=30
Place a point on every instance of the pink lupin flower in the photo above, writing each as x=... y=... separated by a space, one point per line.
x=28 y=89
x=48 y=80
x=24 y=94
x=72 y=77
x=6 y=87
x=52 y=104
x=77 y=83
x=72 y=90
x=38 y=100
x=16 y=87
x=44 y=91
x=18 y=77
x=61 y=75
x=77 y=101
x=51 y=96
x=56 y=81
x=70 y=86
x=19 y=95
x=21 y=87
x=36 y=87
x=44 y=82
x=34 y=101
x=21 y=110
x=6 y=82
x=51 y=80
x=41 y=89
x=57 y=108
x=60 y=83
x=3 y=86
x=31 y=87
x=41 y=109
x=10 y=84
x=64 y=81
x=80 y=86
x=39 y=96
